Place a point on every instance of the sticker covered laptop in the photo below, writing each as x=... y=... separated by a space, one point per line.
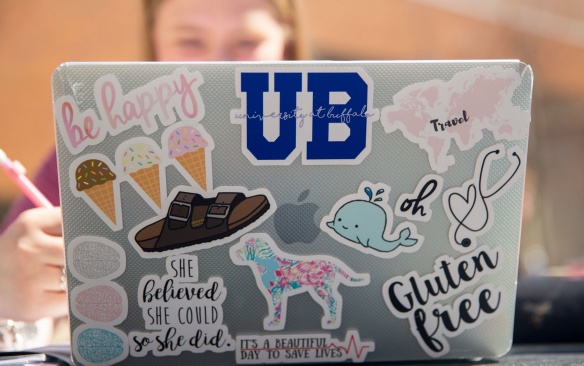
x=291 y=212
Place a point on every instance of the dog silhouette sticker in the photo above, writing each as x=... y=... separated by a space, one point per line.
x=280 y=275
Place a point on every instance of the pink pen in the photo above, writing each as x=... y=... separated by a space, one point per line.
x=16 y=171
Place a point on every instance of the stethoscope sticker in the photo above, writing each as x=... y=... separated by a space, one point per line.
x=469 y=208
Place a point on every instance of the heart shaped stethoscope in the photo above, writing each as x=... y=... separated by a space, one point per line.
x=474 y=214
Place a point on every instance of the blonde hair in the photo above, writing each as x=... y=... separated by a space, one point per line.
x=284 y=11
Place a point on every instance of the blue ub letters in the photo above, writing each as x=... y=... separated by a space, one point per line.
x=326 y=115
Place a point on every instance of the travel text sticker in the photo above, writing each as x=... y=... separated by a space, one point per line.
x=433 y=113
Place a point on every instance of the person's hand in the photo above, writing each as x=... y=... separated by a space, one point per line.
x=32 y=257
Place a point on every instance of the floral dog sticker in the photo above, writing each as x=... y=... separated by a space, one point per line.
x=280 y=275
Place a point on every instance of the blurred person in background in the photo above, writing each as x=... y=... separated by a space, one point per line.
x=33 y=257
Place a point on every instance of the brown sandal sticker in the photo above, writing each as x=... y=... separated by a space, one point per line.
x=194 y=221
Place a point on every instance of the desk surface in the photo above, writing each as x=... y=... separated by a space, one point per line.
x=524 y=355
x=549 y=355
x=520 y=355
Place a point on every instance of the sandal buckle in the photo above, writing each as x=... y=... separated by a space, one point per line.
x=218 y=211
x=179 y=211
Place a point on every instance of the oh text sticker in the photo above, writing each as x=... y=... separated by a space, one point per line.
x=416 y=206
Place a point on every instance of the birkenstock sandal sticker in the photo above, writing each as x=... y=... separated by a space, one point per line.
x=469 y=207
x=93 y=178
x=194 y=221
x=139 y=161
x=431 y=114
x=364 y=222
x=280 y=275
x=188 y=147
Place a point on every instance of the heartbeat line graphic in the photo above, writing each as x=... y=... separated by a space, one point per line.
x=359 y=351
x=297 y=347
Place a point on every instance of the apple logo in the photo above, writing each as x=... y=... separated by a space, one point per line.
x=295 y=222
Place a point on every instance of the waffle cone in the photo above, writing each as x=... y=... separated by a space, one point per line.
x=194 y=163
x=149 y=180
x=103 y=196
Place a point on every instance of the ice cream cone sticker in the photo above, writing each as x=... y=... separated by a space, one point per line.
x=189 y=147
x=139 y=160
x=93 y=180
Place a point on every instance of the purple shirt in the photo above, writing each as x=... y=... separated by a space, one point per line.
x=46 y=180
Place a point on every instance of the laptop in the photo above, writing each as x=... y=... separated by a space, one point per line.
x=291 y=212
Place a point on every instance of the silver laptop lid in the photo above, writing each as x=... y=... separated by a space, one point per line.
x=291 y=212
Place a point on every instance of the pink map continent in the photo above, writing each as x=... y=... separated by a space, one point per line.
x=477 y=99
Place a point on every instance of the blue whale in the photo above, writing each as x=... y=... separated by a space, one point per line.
x=364 y=222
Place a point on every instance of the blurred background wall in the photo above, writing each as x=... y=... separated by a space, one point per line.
x=37 y=35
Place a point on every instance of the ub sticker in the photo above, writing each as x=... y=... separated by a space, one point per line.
x=325 y=114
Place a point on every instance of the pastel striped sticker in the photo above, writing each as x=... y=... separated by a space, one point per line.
x=98 y=346
x=93 y=258
x=99 y=304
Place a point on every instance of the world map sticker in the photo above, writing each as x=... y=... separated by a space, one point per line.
x=433 y=113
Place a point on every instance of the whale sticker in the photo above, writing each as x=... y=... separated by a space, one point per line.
x=364 y=221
